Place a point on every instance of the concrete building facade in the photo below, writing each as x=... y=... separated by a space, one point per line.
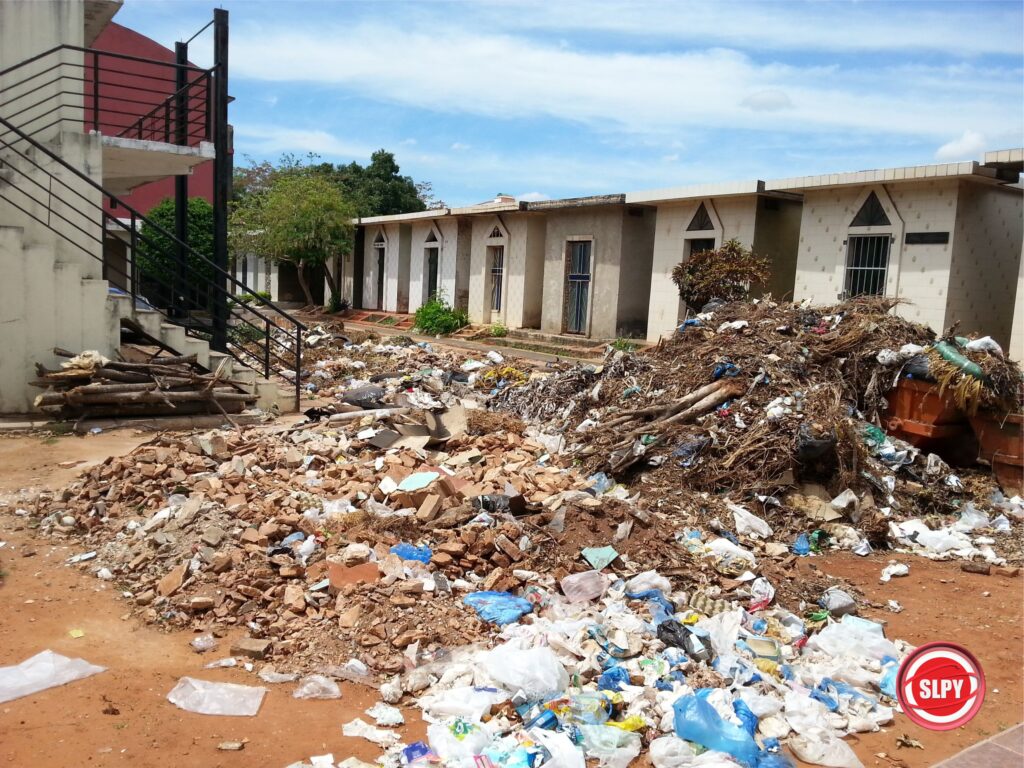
x=703 y=217
x=946 y=238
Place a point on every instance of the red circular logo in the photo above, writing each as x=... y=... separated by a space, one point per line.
x=940 y=686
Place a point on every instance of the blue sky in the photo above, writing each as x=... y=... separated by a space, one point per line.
x=559 y=99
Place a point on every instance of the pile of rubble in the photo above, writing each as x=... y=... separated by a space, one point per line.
x=487 y=565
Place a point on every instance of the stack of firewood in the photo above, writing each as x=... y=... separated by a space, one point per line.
x=89 y=385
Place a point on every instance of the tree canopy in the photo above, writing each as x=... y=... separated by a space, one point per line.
x=156 y=253
x=299 y=218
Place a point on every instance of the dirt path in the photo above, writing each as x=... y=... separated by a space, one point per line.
x=42 y=600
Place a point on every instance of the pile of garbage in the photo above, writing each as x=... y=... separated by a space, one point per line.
x=557 y=566
x=781 y=405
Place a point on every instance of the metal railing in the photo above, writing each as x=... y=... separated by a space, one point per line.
x=152 y=100
x=191 y=289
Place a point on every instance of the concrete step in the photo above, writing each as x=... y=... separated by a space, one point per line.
x=148 y=320
x=199 y=348
x=587 y=353
x=215 y=360
x=557 y=339
x=173 y=336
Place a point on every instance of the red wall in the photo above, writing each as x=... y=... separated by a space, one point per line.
x=118 y=39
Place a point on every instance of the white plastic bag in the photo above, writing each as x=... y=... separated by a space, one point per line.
x=462 y=701
x=207 y=698
x=613 y=747
x=824 y=749
x=385 y=715
x=317 y=687
x=44 y=670
x=581 y=587
x=361 y=729
x=894 y=569
x=748 y=523
x=458 y=740
x=649 y=580
x=536 y=672
x=671 y=752
x=564 y=753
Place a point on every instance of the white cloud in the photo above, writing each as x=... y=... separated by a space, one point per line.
x=533 y=197
x=970 y=146
x=458 y=146
x=768 y=100
x=272 y=139
x=644 y=93
x=408 y=142
x=674 y=157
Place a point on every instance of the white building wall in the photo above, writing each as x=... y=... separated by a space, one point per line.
x=917 y=273
x=446 y=232
x=1016 y=350
x=986 y=261
x=732 y=217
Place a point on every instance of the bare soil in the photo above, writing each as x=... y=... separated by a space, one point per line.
x=42 y=600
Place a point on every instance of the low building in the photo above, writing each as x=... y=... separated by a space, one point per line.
x=703 y=217
x=946 y=238
x=597 y=266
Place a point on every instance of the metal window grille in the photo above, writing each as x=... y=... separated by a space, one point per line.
x=579 y=287
x=497 y=273
x=867 y=263
x=380 y=275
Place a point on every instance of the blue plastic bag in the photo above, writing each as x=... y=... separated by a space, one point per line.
x=802 y=545
x=746 y=716
x=887 y=684
x=661 y=608
x=613 y=678
x=499 y=608
x=410 y=552
x=697 y=721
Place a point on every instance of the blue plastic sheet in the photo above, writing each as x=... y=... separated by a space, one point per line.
x=746 y=716
x=499 y=608
x=410 y=552
x=697 y=721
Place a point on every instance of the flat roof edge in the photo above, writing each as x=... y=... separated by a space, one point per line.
x=694 y=191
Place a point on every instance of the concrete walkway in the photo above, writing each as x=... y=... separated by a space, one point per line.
x=1006 y=750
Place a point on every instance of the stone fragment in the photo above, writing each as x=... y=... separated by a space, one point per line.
x=172 y=581
x=251 y=648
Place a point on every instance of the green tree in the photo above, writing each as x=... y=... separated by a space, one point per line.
x=301 y=218
x=156 y=253
x=727 y=272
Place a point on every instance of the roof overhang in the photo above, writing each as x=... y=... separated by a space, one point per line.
x=485 y=208
x=968 y=170
x=576 y=202
x=696 y=191
x=399 y=218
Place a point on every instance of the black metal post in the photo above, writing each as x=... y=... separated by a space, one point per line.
x=133 y=237
x=298 y=366
x=179 y=283
x=266 y=349
x=221 y=178
x=96 y=92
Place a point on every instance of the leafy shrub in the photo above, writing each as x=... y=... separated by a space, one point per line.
x=725 y=273
x=624 y=345
x=249 y=298
x=438 y=318
x=498 y=331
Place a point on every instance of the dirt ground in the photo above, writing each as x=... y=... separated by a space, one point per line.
x=42 y=600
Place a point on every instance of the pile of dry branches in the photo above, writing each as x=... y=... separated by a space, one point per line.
x=89 y=385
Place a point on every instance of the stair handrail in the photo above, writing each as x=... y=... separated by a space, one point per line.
x=135 y=214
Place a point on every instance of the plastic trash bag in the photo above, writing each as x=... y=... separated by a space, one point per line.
x=613 y=678
x=499 y=608
x=317 y=687
x=207 y=698
x=853 y=637
x=647 y=580
x=986 y=344
x=824 y=749
x=44 y=670
x=748 y=523
x=409 y=552
x=462 y=701
x=581 y=587
x=385 y=715
x=671 y=752
x=361 y=729
x=894 y=569
x=564 y=753
x=457 y=741
x=613 y=747
x=696 y=720
x=837 y=602
x=536 y=672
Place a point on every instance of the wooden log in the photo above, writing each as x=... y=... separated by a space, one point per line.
x=125 y=398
